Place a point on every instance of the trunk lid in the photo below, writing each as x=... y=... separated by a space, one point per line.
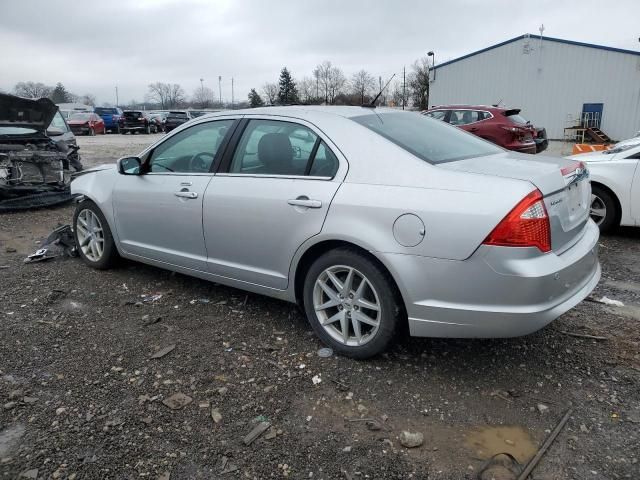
x=563 y=183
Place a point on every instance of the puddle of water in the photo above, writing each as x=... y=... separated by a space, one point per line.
x=488 y=441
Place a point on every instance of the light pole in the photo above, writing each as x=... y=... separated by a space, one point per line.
x=433 y=56
x=202 y=91
x=220 y=88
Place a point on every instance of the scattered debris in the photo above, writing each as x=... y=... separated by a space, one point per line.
x=542 y=408
x=256 y=432
x=216 y=415
x=165 y=476
x=373 y=425
x=177 y=401
x=501 y=466
x=164 y=351
x=271 y=434
x=325 y=352
x=411 y=440
x=582 y=335
x=33 y=473
x=609 y=301
x=340 y=384
x=226 y=466
x=545 y=446
x=60 y=242
x=316 y=379
x=150 y=321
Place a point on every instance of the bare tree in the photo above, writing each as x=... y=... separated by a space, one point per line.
x=270 y=91
x=88 y=99
x=32 y=90
x=176 y=96
x=330 y=79
x=307 y=90
x=159 y=93
x=419 y=83
x=362 y=83
x=399 y=95
x=203 y=97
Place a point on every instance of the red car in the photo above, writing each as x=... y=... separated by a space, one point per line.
x=86 y=123
x=502 y=126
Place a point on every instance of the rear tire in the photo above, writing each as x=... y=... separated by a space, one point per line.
x=357 y=321
x=93 y=236
x=604 y=209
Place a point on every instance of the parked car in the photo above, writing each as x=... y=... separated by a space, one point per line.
x=86 y=124
x=542 y=142
x=158 y=119
x=615 y=184
x=367 y=218
x=134 y=121
x=175 y=119
x=111 y=117
x=502 y=126
x=37 y=152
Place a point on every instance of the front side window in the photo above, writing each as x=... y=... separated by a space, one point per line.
x=58 y=122
x=271 y=147
x=431 y=141
x=192 y=150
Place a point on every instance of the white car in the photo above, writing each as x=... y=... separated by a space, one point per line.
x=615 y=184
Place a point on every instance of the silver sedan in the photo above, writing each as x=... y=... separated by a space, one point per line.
x=366 y=217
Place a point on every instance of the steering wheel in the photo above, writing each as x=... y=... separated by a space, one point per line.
x=201 y=162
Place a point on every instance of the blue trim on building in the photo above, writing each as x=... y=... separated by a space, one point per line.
x=537 y=37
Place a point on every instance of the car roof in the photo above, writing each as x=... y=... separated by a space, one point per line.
x=305 y=111
x=471 y=107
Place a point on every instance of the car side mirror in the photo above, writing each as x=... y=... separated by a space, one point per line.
x=54 y=132
x=129 y=166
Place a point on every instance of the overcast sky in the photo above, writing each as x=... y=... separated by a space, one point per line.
x=93 y=46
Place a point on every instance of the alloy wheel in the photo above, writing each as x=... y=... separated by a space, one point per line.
x=598 y=209
x=90 y=235
x=347 y=305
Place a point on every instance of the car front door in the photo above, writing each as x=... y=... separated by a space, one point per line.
x=158 y=214
x=635 y=189
x=272 y=193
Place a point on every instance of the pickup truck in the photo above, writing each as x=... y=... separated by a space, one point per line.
x=136 y=121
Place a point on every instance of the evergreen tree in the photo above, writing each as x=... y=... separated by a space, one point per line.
x=287 y=88
x=60 y=94
x=255 y=100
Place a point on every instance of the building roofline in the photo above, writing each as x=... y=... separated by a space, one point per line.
x=538 y=37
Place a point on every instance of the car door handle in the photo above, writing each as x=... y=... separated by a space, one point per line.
x=304 y=202
x=186 y=194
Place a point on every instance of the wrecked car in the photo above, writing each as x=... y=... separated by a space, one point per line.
x=37 y=154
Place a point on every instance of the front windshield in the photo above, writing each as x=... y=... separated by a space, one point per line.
x=80 y=116
x=430 y=140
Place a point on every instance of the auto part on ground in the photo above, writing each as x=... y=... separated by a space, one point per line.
x=31 y=162
x=59 y=242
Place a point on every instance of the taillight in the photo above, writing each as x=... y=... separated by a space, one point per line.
x=527 y=225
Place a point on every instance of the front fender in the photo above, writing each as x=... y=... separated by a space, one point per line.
x=97 y=186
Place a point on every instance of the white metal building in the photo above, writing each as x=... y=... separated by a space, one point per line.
x=553 y=81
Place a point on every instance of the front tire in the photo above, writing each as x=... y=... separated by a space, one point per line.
x=352 y=303
x=604 y=209
x=93 y=237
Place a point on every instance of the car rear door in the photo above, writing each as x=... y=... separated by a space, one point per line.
x=158 y=214
x=272 y=193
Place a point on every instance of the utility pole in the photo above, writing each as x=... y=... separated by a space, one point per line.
x=117 y=101
x=380 y=83
x=220 y=88
x=202 y=92
x=404 y=85
x=232 y=93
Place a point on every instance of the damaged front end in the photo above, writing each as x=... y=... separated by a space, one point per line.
x=34 y=168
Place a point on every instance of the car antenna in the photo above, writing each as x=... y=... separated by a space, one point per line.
x=373 y=102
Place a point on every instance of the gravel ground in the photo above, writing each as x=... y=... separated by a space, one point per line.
x=83 y=397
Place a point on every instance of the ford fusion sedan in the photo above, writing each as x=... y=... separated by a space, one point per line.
x=615 y=184
x=367 y=218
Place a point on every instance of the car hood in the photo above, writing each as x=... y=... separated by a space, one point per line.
x=97 y=168
x=26 y=113
x=544 y=172
x=592 y=157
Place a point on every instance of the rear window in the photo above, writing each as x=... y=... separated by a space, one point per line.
x=430 y=140
x=177 y=115
x=105 y=111
x=133 y=114
x=516 y=118
x=80 y=116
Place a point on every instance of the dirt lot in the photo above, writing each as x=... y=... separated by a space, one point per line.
x=82 y=396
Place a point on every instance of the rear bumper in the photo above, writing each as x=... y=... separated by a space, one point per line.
x=498 y=292
x=522 y=147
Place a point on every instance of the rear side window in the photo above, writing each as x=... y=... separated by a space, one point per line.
x=465 y=117
x=271 y=147
x=438 y=114
x=432 y=141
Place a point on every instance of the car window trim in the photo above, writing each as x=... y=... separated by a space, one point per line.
x=225 y=141
x=225 y=164
x=312 y=156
